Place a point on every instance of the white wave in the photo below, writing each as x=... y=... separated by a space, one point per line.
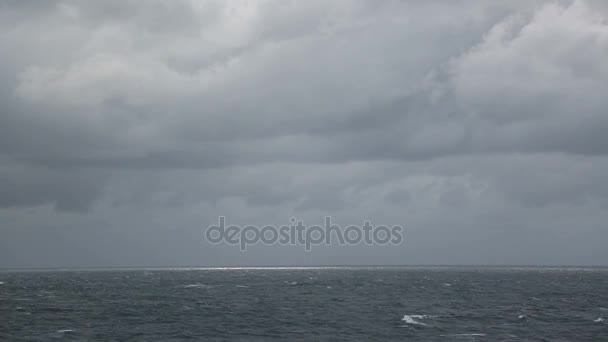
x=63 y=331
x=422 y=316
x=197 y=286
x=409 y=319
x=599 y=320
x=473 y=334
x=1 y=283
x=447 y=284
x=521 y=316
x=603 y=309
x=242 y=286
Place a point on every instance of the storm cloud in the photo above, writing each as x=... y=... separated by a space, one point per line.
x=127 y=127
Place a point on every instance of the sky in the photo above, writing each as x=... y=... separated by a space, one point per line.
x=128 y=127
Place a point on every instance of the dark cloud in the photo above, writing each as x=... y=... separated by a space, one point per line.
x=69 y=190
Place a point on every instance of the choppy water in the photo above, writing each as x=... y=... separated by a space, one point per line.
x=439 y=304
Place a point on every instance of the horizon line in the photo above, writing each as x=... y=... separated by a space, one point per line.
x=293 y=267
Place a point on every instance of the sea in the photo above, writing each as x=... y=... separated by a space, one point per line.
x=306 y=304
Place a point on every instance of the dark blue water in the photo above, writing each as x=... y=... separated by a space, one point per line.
x=411 y=304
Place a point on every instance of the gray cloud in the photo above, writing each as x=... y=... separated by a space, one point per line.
x=465 y=120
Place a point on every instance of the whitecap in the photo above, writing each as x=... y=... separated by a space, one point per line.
x=64 y=331
x=197 y=286
x=521 y=316
x=409 y=319
x=599 y=320
x=242 y=286
x=422 y=316
x=447 y=284
x=472 y=334
x=1 y=283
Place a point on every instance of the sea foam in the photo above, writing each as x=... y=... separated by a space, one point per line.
x=411 y=319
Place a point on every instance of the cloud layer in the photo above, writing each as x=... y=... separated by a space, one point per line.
x=127 y=127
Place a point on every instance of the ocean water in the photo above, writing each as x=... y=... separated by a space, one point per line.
x=367 y=304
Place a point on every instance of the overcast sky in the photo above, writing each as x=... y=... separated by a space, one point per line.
x=127 y=127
